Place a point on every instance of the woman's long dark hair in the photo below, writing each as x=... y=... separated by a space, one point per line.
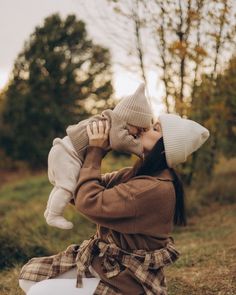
x=153 y=164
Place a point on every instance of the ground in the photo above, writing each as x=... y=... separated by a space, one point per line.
x=208 y=247
x=207 y=264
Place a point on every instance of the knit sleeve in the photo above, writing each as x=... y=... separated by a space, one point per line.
x=78 y=135
x=121 y=140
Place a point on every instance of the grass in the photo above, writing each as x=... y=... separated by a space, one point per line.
x=208 y=261
x=207 y=264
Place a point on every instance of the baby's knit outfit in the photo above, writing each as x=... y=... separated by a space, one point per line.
x=67 y=154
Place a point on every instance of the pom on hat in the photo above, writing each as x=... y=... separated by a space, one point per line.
x=135 y=109
x=181 y=137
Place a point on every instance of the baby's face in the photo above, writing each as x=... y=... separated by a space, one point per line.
x=134 y=130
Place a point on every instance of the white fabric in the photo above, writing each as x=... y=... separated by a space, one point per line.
x=181 y=137
x=63 y=172
x=64 y=287
x=63 y=165
x=58 y=200
x=62 y=284
x=70 y=274
x=26 y=285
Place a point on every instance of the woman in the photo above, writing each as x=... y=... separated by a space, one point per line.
x=134 y=210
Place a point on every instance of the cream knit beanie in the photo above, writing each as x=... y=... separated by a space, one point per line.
x=135 y=109
x=181 y=137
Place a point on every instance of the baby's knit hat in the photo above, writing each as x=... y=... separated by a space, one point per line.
x=135 y=109
x=181 y=137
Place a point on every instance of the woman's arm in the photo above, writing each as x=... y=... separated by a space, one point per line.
x=114 y=207
x=111 y=178
x=119 y=207
x=107 y=177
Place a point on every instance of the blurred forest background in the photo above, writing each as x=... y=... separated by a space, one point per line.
x=62 y=76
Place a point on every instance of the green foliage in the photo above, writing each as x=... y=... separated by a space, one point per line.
x=57 y=80
x=219 y=189
x=214 y=106
x=226 y=109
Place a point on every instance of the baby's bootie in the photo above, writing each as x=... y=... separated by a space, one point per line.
x=57 y=202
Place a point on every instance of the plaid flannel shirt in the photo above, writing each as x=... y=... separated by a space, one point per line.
x=147 y=266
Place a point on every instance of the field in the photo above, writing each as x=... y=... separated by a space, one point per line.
x=207 y=265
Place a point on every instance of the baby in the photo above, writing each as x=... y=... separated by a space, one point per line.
x=132 y=114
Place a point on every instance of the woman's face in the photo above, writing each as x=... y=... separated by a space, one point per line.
x=150 y=137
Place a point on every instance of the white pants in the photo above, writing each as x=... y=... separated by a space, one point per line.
x=63 y=165
x=63 y=172
x=61 y=285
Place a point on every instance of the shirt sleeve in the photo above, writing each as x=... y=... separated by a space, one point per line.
x=115 y=177
x=107 y=177
x=113 y=207
x=121 y=140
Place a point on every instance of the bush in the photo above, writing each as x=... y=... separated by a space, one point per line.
x=221 y=188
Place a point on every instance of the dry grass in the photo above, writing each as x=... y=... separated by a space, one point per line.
x=207 y=265
x=9 y=282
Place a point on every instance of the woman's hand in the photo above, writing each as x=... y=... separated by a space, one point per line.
x=99 y=135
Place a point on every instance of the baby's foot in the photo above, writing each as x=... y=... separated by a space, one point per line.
x=57 y=220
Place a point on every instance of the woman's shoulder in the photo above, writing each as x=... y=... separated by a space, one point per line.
x=137 y=184
x=164 y=175
x=143 y=184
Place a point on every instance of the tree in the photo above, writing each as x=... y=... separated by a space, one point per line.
x=215 y=107
x=188 y=44
x=179 y=40
x=59 y=78
x=227 y=108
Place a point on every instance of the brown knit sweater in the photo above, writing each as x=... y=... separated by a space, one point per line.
x=120 y=139
x=137 y=214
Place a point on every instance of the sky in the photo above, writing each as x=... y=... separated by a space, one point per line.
x=19 y=18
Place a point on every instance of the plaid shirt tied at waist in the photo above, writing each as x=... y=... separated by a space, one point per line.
x=144 y=264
